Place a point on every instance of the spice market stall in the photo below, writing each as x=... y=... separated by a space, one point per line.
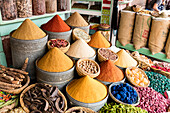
x=60 y=68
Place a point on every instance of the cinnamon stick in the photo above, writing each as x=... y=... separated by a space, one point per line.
x=6 y=87
x=10 y=85
x=12 y=69
x=4 y=80
x=25 y=64
x=7 y=77
x=13 y=75
x=16 y=82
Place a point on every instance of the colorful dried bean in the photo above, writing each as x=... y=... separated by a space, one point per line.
x=158 y=82
x=152 y=101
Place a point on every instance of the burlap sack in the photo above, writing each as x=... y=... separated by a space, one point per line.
x=126 y=27
x=159 y=31
x=167 y=48
x=141 y=30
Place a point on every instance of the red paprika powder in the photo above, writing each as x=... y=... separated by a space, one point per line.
x=56 y=24
x=109 y=72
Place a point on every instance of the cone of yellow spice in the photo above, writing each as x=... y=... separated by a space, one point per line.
x=28 y=30
x=125 y=60
x=55 y=61
x=98 y=41
x=87 y=90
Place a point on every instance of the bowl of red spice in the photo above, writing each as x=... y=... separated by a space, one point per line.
x=61 y=44
x=106 y=54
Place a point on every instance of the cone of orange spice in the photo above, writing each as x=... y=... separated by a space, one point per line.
x=109 y=72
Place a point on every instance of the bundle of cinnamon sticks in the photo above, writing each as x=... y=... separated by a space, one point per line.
x=11 y=78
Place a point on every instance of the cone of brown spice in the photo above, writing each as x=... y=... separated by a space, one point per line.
x=109 y=72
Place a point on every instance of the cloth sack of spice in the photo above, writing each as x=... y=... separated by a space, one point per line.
x=158 y=34
x=141 y=30
x=126 y=27
x=167 y=48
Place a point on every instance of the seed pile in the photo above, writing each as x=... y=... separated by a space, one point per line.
x=152 y=101
x=88 y=66
x=108 y=54
x=120 y=108
x=158 y=82
x=81 y=34
x=11 y=78
x=17 y=110
x=44 y=98
x=58 y=43
x=125 y=93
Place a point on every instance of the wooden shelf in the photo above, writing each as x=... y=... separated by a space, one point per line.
x=145 y=51
x=32 y=18
x=125 y=2
x=87 y=11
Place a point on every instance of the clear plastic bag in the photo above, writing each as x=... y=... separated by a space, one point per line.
x=39 y=7
x=51 y=6
x=8 y=9
x=24 y=8
x=62 y=5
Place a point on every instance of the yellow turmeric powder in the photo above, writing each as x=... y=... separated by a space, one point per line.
x=87 y=90
x=55 y=61
x=98 y=41
x=28 y=31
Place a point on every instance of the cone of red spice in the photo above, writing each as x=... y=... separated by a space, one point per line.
x=109 y=72
x=56 y=24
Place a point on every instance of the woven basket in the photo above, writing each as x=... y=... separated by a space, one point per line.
x=19 y=90
x=101 y=58
x=28 y=88
x=82 y=72
x=87 y=110
x=167 y=74
x=63 y=49
x=76 y=37
x=118 y=101
x=134 y=82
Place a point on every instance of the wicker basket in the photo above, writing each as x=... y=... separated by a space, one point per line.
x=19 y=90
x=101 y=58
x=76 y=37
x=87 y=110
x=83 y=73
x=167 y=74
x=134 y=82
x=63 y=49
x=118 y=101
x=28 y=88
